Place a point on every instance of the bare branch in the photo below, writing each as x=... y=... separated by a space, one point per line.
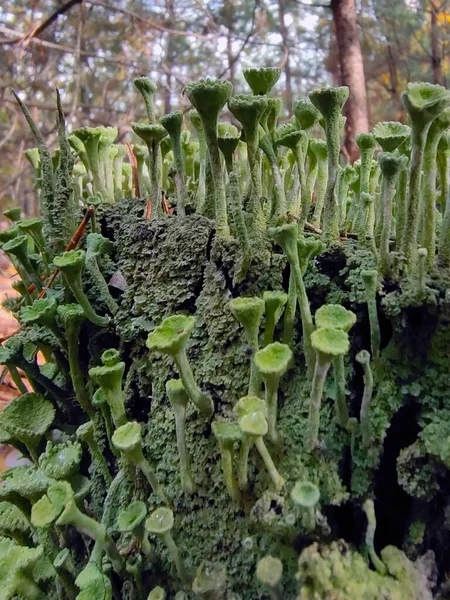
x=148 y=22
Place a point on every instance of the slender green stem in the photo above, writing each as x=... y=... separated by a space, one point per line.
x=227 y=468
x=365 y=404
x=145 y=467
x=322 y=180
x=270 y=465
x=97 y=532
x=76 y=287
x=401 y=202
x=17 y=379
x=315 y=401
x=246 y=445
x=341 y=396
x=176 y=556
x=76 y=372
x=305 y=312
x=418 y=137
x=272 y=384
x=210 y=130
x=289 y=313
x=388 y=194
x=99 y=281
x=429 y=191
x=201 y=400
x=185 y=468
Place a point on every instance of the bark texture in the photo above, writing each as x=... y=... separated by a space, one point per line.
x=352 y=73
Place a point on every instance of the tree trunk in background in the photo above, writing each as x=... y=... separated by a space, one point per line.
x=352 y=73
x=435 y=45
x=287 y=65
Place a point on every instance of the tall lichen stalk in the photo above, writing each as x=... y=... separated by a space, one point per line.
x=217 y=365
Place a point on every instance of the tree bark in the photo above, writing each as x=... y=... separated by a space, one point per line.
x=352 y=73
x=435 y=44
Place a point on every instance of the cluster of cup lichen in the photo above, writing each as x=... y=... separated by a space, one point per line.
x=223 y=325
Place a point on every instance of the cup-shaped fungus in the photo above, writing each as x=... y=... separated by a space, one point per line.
x=227 y=145
x=261 y=81
x=28 y=418
x=366 y=142
x=227 y=434
x=306 y=495
x=296 y=140
x=329 y=101
x=305 y=113
x=210 y=581
x=269 y=572
x=335 y=316
x=328 y=344
x=43 y=312
x=147 y=88
x=71 y=265
x=423 y=102
x=33 y=227
x=248 y=110
x=13 y=214
x=286 y=236
x=160 y=524
x=61 y=460
x=96 y=247
x=90 y=138
x=86 y=433
x=14 y=524
x=17 y=247
x=390 y=165
x=128 y=439
x=248 y=312
x=172 y=124
x=72 y=317
x=109 y=377
x=157 y=593
x=246 y=406
x=391 y=134
x=153 y=135
x=131 y=519
x=254 y=426
x=179 y=399
x=16 y=571
x=272 y=362
x=171 y=338
x=274 y=303
x=430 y=172
x=58 y=505
x=209 y=97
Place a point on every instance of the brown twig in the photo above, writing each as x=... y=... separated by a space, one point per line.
x=148 y=22
x=47 y=22
x=70 y=246
x=148 y=208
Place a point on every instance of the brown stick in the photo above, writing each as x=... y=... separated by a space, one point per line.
x=134 y=169
x=70 y=246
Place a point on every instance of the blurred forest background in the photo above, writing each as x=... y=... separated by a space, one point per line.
x=92 y=49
